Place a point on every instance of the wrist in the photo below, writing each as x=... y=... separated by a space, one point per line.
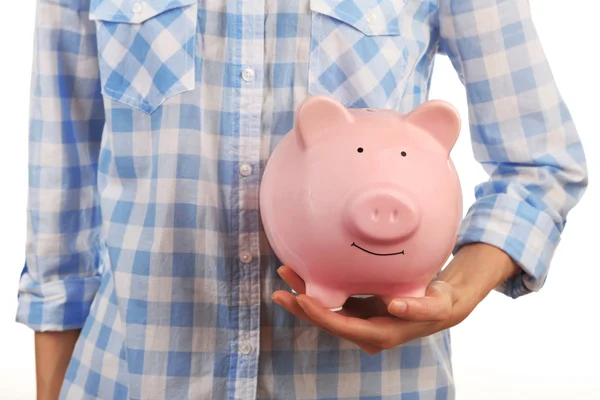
x=476 y=270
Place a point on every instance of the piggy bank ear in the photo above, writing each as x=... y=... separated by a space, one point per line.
x=440 y=119
x=315 y=117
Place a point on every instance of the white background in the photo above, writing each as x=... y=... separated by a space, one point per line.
x=541 y=346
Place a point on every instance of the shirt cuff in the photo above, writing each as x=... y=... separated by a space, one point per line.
x=57 y=305
x=528 y=235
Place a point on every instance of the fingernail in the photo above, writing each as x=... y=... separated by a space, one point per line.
x=399 y=306
x=300 y=301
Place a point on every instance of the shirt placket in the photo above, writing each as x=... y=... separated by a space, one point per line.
x=251 y=72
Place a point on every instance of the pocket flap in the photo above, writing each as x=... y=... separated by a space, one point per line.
x=132 y=11
x=371 y=17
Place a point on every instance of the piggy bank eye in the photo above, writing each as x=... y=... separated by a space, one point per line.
x=360 y=149
x=403 y=154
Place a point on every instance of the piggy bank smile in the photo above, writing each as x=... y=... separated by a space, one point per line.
x=362 y=201
x=377 y=254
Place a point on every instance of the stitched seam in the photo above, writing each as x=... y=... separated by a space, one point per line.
x=357 y=25
x=130 y=19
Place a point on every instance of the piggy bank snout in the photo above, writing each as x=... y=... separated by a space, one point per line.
x=382 y=214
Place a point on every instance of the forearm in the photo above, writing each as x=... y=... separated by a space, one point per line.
x=53 y=352
x=522 y=134
x=474 y=272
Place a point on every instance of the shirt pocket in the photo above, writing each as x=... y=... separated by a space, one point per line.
x=146 y=49
x=358 y=52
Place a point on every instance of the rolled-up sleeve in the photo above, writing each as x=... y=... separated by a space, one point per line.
x=64 y=243
x=522 y=134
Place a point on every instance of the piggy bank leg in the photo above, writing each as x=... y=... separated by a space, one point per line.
x=332 y=299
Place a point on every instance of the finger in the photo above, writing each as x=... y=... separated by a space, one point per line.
x=435 y=306
x=373 y=334
x=369 y=349
x=353 y=329
x=294 y=307
x=292 y=279
x=288 y=301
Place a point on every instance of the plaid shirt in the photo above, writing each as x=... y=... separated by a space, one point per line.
x=151 y=122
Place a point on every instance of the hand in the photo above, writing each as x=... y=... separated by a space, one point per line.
x=374 y=325
x=370 y=323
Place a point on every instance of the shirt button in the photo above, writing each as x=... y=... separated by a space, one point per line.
x=248 y=74
x=371 y=18
x=246 y=257
x=137 y=7
x=245 y=169
x=246 y=348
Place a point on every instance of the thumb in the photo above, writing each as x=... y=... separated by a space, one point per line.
x=435 y=306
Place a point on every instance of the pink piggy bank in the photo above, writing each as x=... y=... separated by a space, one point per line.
x=363 y=201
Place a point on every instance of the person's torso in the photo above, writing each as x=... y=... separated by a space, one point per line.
x=197 y=94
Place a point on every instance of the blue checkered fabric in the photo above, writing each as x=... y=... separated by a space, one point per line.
x=151 y=122
x=147 y=51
